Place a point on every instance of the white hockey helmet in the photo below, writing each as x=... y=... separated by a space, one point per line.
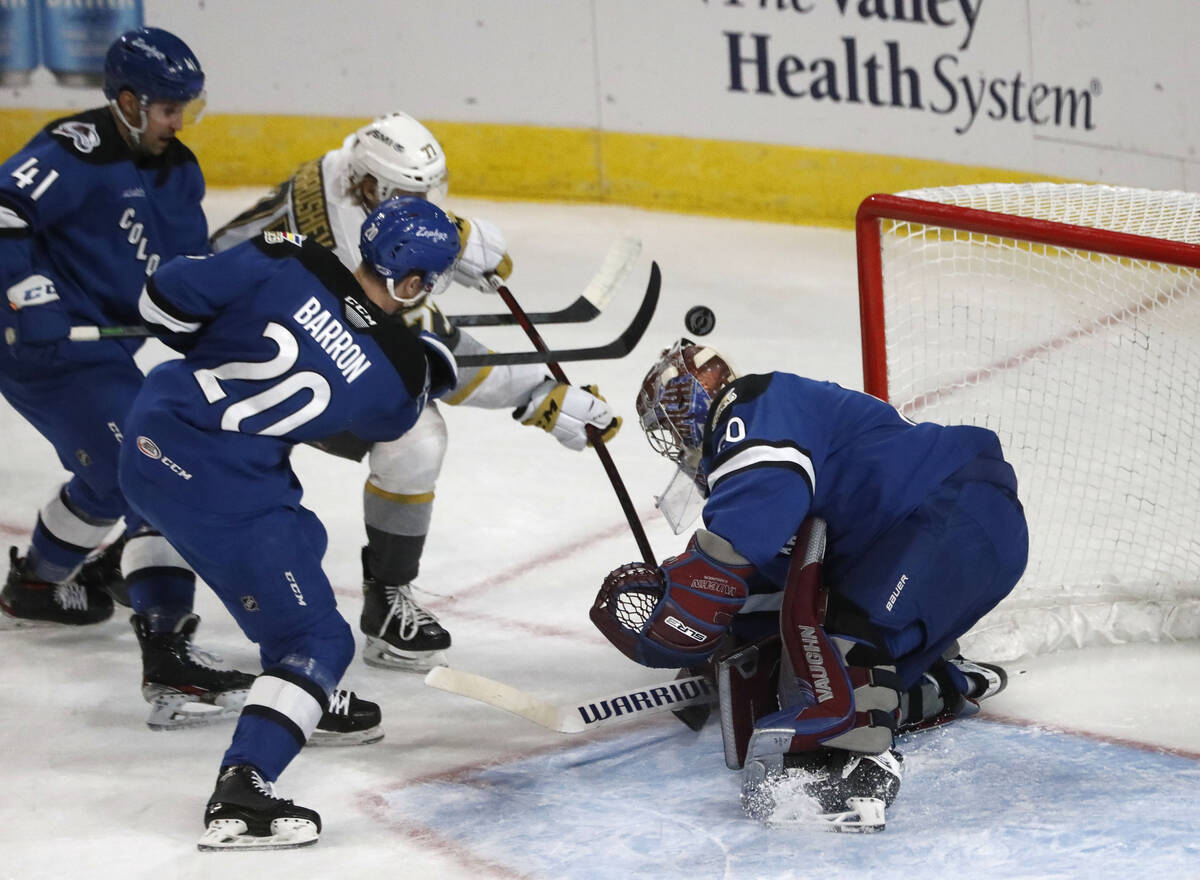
x=402 y=155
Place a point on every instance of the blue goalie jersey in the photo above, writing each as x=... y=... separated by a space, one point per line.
x=779 y=447
x=281 y=347
x=77 y=205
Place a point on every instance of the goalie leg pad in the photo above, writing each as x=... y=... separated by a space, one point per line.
x=836 y=691
x=747 y=682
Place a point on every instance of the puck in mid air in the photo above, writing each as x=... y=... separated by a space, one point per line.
x=700 y=320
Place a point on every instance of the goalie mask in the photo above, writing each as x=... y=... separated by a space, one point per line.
x=406 y=236
x=402 y=155
x=672 y=407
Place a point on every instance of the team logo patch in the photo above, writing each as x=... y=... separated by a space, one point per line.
x=81 y=455
x=276 y=237
x=83 y=135
x=148 y=448
x=249 y=603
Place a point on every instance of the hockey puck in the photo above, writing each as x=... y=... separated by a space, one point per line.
x=700 y=320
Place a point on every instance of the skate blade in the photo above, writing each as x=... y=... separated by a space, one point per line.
x=178 y=711
x=381 y=655
x=348 y=738
x=861 y=816
x=10 y=621
x=228 y=835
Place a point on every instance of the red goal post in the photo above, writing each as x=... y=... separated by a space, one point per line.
x=1066 y=318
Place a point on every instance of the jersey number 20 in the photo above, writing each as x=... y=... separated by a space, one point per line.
x=276 y=367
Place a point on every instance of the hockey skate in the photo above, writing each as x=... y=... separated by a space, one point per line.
x=102 y=571
x=184 y=685
x=831 y=790
x=244 y=814
x=348 y=721
x=953 y=688
x=400 y=633
x=27 y=602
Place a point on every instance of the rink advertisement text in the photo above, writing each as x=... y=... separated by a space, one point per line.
x=882 y=78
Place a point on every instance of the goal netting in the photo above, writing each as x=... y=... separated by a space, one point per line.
x=1066 y=318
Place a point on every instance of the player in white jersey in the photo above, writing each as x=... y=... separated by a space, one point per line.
x=327 y=199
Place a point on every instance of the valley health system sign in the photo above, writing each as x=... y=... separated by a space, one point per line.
x=899 y=54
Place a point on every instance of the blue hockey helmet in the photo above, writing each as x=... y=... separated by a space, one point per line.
x=153 y=64
x=406 y=235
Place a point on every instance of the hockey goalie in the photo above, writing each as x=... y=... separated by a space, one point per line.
x=844 y=551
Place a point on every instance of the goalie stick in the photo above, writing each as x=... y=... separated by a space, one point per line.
x=617 y=264
x=618 y=348
x=590 y=714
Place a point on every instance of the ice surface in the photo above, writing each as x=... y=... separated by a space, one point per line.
x=1093 y=772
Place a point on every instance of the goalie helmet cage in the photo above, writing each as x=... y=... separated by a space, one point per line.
x=1066 y=318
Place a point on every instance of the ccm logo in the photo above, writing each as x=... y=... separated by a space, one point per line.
x=150 y=449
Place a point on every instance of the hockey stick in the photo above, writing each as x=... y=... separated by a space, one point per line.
x=617 y=264
x=640 y=321
x=595 y=712
x=619 y=347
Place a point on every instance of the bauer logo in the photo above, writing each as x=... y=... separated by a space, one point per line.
x=83 y=135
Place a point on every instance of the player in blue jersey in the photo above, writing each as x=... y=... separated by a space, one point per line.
x=327 y=199
x=283 y=345
x=844 y=551
x=88 y=209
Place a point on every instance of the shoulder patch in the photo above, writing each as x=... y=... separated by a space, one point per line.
x=83 y=135
x=272 y=236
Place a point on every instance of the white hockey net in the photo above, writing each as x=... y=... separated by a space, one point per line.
x=1082 y=351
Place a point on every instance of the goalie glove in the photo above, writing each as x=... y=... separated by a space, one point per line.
x=483 y=253
x=676 y=615
x=566 y=411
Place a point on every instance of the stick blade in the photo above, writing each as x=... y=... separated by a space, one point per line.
x=502 y=696
x=617 y=264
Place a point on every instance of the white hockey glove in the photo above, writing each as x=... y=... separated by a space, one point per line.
x=566 y=411
x=484 y=252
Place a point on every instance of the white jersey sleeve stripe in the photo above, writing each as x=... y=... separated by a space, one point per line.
x=156 y=316
x=760 y=454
